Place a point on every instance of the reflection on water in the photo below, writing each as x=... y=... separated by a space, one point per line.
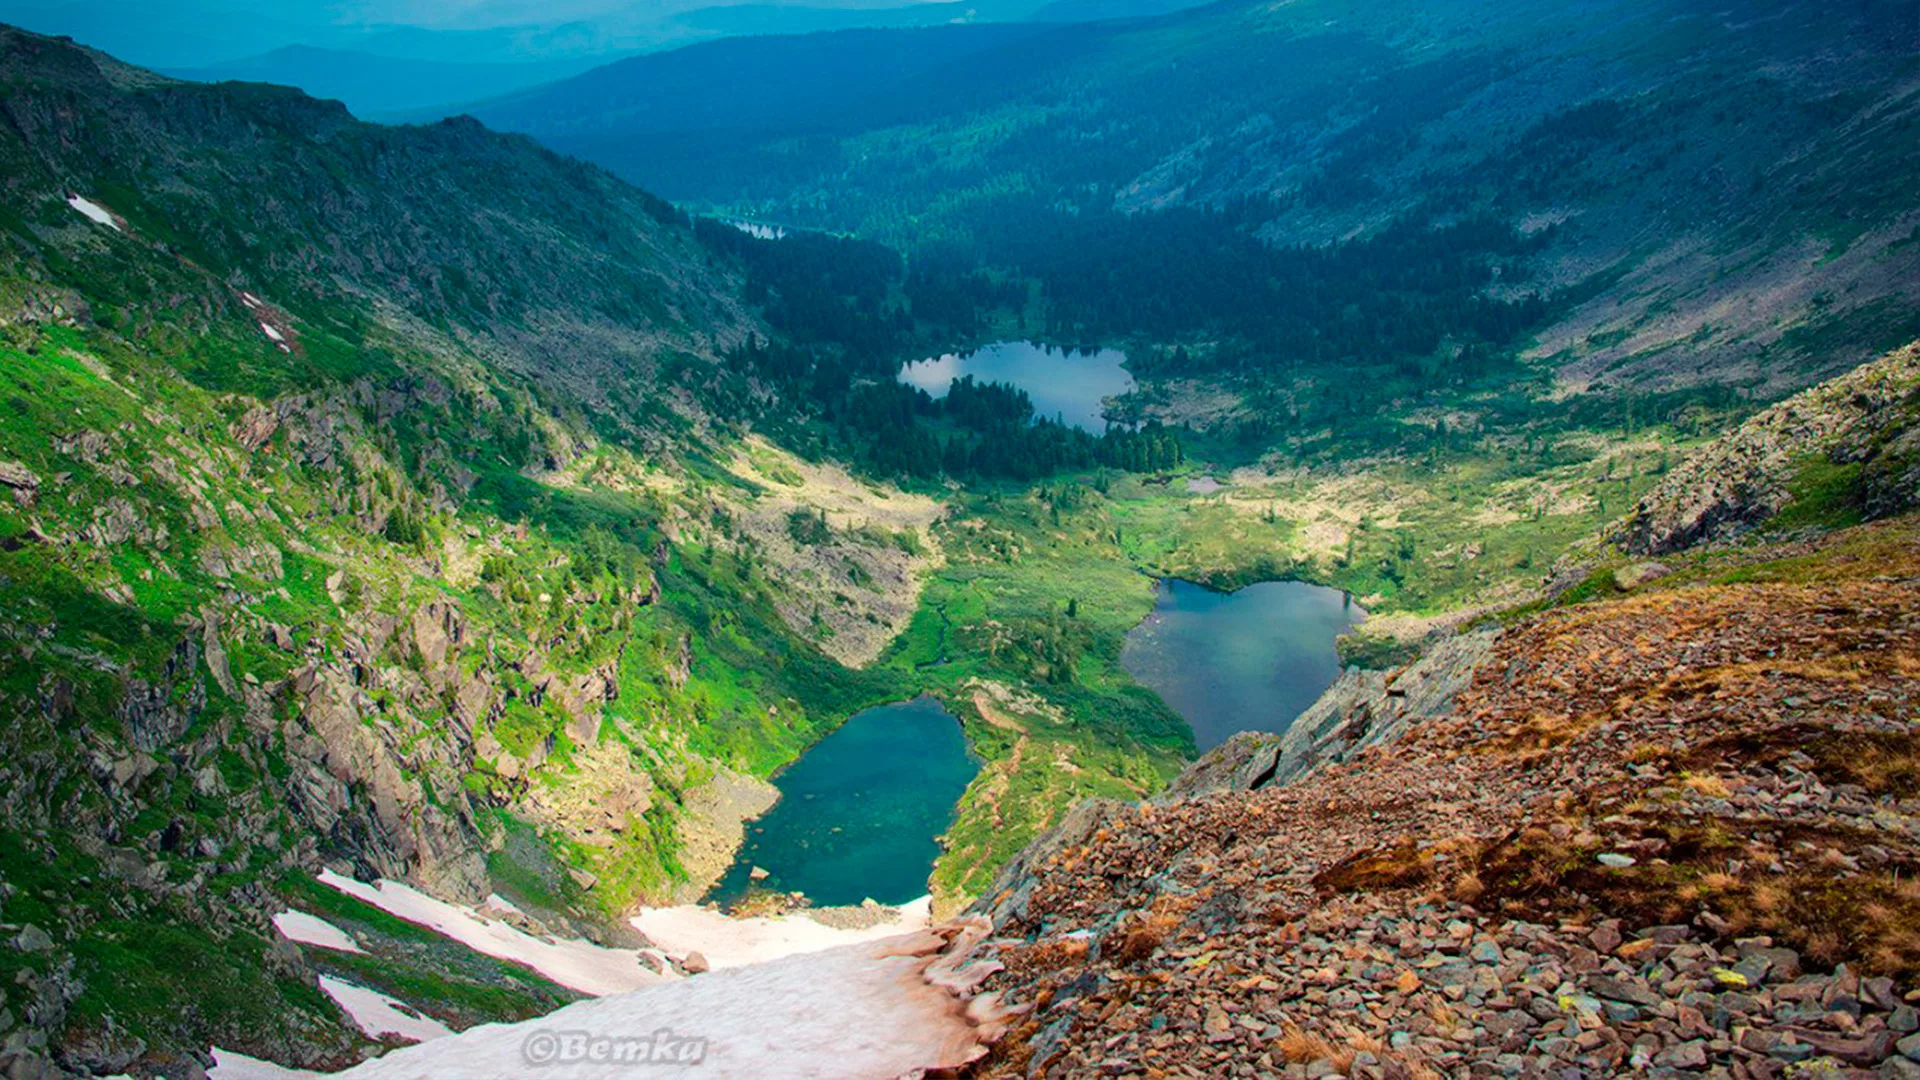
x=1245 y=661
x=1064 y=385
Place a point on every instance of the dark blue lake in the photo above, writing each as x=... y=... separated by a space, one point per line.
x=1064 y=385
x=1250 y=660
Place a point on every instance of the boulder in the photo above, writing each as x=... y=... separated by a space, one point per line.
x=1629 y=578
x=20 y=480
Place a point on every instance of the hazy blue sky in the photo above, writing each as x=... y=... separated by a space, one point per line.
x=193 y=35
x=484 y=14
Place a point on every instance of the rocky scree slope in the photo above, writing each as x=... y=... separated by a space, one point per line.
x=344 y=522
x=1674 y=831
x=1365 y=708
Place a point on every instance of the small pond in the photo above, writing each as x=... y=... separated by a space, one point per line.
x=861 y=813
x=1064 y=384
x=1204 y=485
x=1250 y=660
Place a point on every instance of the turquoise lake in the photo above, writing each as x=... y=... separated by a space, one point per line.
x=1067 y=385
x=1250 y=660
x=860 y=814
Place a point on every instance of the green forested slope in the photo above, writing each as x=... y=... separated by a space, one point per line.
x=340 y=467
x=418 y=502
x=382 y=499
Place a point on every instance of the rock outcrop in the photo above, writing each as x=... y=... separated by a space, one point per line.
x=1362 y=710
x=1870 y=416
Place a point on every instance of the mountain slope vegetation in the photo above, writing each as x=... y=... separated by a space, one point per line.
x=420 y=503
x=378 y=499
x=337 y=462
x=553 y=271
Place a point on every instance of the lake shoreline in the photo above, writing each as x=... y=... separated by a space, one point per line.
x=860 y=812
x=1247 y=659
x=1065 y=383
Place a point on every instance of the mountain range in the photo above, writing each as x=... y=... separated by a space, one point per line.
x=374 y=86
x=387 y=67
x=1723 y=178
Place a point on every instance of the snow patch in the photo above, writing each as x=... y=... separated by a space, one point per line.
x=232 y=1065
x=759 y=231
x=313 y=930
x=94 y=211
x=496 y=902
x=874 y=1009
x=377 y=1014
x=728 y=942
x=571 y=962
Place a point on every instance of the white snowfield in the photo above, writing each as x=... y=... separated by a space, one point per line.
x=787 y=996
x=377 y=1014
x=231 y=1065
x=868 y=1010
x=313 y=930
x=571 y=962
x=94 y=211
x=728 y=942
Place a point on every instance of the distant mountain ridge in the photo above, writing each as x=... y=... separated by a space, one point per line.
x=1675 y=162
x=834 y=82
x=374 y=86
x=428 y=71
x=567 y=273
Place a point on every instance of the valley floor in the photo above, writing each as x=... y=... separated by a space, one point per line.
x=1422 y=544
x=1669 y=829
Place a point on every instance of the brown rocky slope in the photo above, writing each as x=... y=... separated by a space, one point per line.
x=1672 y=831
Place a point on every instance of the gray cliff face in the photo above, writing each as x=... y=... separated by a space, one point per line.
x=1361 y=710
x=1885 y=444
